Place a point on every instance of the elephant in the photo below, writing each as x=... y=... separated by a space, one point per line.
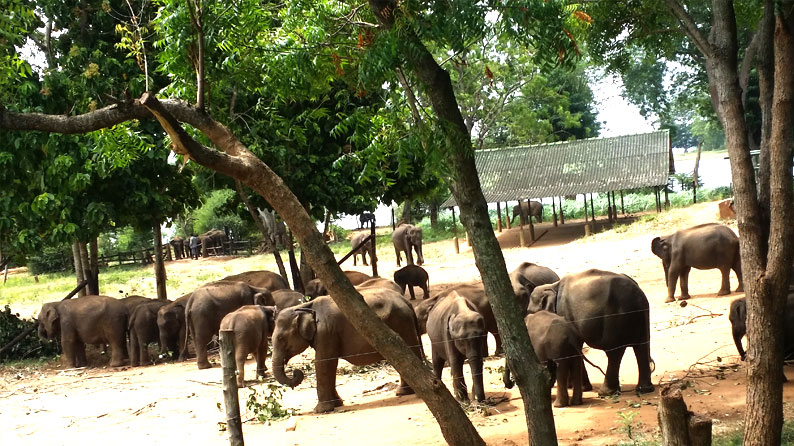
x=475 y=293
x=738 y=318
x=532 y=208
x=172 y=329
x=355 y=242
x=143 y=330
x=275 y=227
x=705 y=246
x=316 y=288
x=260 y=279
x=132 y=302
x=287 y=298
x=207 y=306
x=213 y=239
x=379 y=282
x=366 y=218
x=558 y=347
x=321 y=325
x=528 y=276
x=406 y=238
x=411 y=276
x=178 y=243
x=251 y=325
x=457 y=333
x=89 y=319
x=609 y=312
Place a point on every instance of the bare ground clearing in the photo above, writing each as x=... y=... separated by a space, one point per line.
x=176 y=403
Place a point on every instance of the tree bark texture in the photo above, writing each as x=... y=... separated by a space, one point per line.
x=78 y=266
x=93 y=261
x=159 y=263
x=679 y=426
x=85 y=263
x=531 y=377
x=269 y=245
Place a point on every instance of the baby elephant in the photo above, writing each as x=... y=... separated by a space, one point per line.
x=738 y=318
x=252 y=325
x=411 y=276
x=559 y=347
x=707 y=246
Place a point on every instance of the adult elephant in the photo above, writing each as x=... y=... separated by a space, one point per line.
x=365 y=248
x=89 y=319
x=457 y=333
x=532 y=209
x=408 y=238
x=315 y=287
x=207 y=306
x=260 y=279
x=380 y=282
x=179 y=245
x=132 y=302
x=213 y=239
x=143 y=330
x=475 y=293
x=528 y=276
x=558 y=346
x=172 y=329
x=321 y=325
x=287 y=298
x=366 y=218
x=738 y=318
x=706 y=246
x=609 y=312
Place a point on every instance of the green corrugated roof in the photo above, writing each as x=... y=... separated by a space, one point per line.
x=573 y=167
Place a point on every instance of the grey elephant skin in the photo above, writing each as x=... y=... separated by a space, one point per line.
x=214 y=238
x=207 y=306
x=707 y=246
x=532 y=209
x=262 y=279
x=132 y=302
x=287 y=298
x=558 y=347
x=379 y=282
x=179 y=245
x=407 y=238
x=526 y=277
x=357 y=241
x=738 y=318
x=143 y=330
x=172 y=329
x=411 y=276
x=475 y=293
x=315 y=287
x=86 y=320
x=251 y=325
x=457 y=333
x=321 y=325
x=609 y=312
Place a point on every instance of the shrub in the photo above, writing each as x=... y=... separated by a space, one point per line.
x=30 y=346
x=50 y=260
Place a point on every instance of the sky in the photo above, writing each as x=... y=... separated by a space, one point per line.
x=619 y=116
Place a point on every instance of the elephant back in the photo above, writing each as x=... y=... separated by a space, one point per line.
x=261 y=279
x=381 y=283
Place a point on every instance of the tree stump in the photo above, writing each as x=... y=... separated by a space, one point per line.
x=679 y=426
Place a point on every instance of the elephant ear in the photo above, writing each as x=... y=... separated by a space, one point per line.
x=307 y=324
x=264 y=298
x=525 y=282
x=51 y=319
x=659 y=247
x=270 y=318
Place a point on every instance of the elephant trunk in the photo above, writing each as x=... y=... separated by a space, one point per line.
x=666 y=266
x=279 y=362
x=475 y=362
x=506 y=378
x=738 y=334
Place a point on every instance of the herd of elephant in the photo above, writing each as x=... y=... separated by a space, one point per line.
x=605 y=310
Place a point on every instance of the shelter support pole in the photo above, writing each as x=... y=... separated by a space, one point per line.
x=666 y=198
x=455 y=232
x=507 y=215
x=658 y=199
x=592 y=209
x=622 y=209
x=499 y=217
x=586 y=222
x=609 y=208
x=521 y=241
x=553 y=212
x=531 y=229
x=392 y=219
x=562 y=216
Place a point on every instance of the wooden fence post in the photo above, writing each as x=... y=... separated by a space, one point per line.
x=679 y=426
x=230 y=398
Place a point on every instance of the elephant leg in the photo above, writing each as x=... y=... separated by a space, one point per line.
x=499 y=350
x=737 y=268
x=612 y=378
x=411 y=291
x=563 y=375
x=672 y=280
x=69 y=346
x=425 y=291
x=182 y=343
x=404 y=388
x=328 y=399
x=201 y=340
x=725 y=286
x=239 y=358
x=438 y=364
x=261 y=355
x=685 y=282
x=397 y=254
x=576 y=376
x=118 y=345
x=135 y=349
x=458 y=383
x=643 y=354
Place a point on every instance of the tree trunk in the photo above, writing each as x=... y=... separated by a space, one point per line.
x=159 y=263
x=93 y=262
x=679 y=426
x=269 y=245
x=695 y=174
x=85 y=264
x=407 y=216
x=434 y=214
x=78 y=266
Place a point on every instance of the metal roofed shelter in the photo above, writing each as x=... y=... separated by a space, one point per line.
x=573 y=167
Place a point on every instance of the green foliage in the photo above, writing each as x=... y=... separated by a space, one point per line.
x=215 y=213
x=50 y=259
x=30 y=346
x=126 y=239
x=270 y=409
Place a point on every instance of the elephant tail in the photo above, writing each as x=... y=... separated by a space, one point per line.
x=188 y=325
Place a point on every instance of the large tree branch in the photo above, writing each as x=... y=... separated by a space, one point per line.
x=195 y=13
x=690 y=28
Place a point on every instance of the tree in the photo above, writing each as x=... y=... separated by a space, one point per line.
x=716 y=38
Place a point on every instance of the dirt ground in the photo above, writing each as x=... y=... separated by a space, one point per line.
x=177 y=404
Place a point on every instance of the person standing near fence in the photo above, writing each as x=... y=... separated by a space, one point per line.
x=194 y=246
